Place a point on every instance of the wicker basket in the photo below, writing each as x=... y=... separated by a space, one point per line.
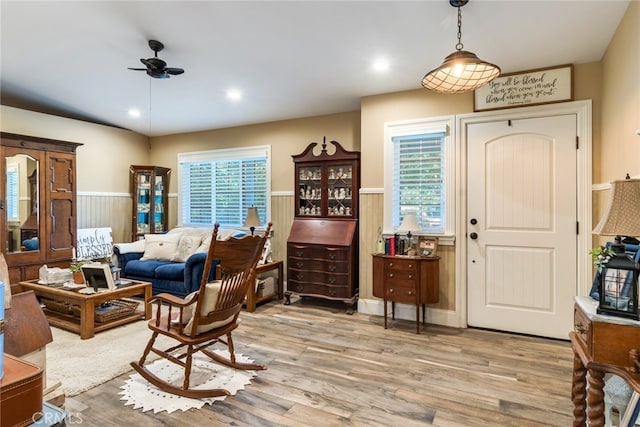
x=111 y=310
x=57 y=306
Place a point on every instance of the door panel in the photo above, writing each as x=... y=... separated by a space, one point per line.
x=522 y=193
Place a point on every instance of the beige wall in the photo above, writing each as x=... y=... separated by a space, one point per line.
x=103 y=160
x=620 y=149
x=285 y=137
x=102 y=168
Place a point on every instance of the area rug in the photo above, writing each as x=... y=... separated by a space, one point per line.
x=83 y=364
x=205 y=374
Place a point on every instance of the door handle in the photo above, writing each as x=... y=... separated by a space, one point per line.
x=473 y=221
x=473 y=236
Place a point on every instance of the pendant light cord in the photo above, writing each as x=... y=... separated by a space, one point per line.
x=459 y=46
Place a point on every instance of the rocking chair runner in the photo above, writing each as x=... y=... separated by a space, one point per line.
x=207 y=316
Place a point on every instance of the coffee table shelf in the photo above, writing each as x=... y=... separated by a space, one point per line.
x=85 y=324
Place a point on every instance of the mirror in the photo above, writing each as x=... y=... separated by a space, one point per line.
x=22 y=203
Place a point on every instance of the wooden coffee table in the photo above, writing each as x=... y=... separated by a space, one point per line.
x=86 y=325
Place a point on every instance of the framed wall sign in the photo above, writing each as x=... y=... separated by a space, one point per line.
x=533 y=87
x=427 y=246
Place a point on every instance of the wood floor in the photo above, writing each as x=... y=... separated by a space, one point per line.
x=326 y=368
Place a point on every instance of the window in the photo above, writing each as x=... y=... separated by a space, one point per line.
x=220 y=185
x=419 y=174
x=13 y=191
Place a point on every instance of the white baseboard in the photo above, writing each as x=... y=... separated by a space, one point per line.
x=436 y=316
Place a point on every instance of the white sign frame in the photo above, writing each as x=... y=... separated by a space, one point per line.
x=94 y=243
x=523 y=89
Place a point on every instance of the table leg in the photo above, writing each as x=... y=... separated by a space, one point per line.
x=87 y=315
x=147 y=304
x=596 y=398
x=280 y=280
x=385 y=314
x=579 y=392
x=417 y=318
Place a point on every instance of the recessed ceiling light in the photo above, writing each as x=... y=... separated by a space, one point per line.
x=234 y=94
x=134 y=112
x=381 y=65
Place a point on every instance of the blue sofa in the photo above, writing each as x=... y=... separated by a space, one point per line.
x=173 y=262
x=176 y=278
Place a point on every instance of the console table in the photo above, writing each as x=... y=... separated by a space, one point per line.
x=601 y=344
x=406 y=279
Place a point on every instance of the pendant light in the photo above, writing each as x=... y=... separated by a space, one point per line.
x=462 y=71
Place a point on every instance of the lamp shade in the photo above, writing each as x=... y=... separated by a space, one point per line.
x=622 y=217
x=409 y=223
x=252 y=220
x=462 y=71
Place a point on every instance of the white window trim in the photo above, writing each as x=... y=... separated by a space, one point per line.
x=412 y=127
x=222 y=154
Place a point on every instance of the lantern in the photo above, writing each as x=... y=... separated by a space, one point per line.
x=619 y=286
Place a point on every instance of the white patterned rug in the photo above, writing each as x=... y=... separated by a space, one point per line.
x=204 y=374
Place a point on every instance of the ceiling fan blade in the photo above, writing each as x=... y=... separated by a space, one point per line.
x=174 y=71
x=157 y=74
x=138 y=69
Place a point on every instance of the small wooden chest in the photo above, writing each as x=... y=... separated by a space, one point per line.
x=20 y=393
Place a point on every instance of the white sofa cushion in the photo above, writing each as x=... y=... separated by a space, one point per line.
x=161 y=247
x=187 y=245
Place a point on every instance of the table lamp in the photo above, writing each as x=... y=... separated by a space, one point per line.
x=253 y=220
x=618 y=287
x=409 y=224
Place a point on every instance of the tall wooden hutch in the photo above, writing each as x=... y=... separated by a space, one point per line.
x=37 y=204
x=150 y=188
x=322 y=249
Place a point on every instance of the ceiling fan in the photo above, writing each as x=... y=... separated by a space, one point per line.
x=156 y=67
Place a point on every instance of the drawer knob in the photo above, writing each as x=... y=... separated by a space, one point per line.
x=390 y=264
x=299 y=264
x=410 y=265
x=411 y=276
x=299 y=253
x=410 y=292
x=391 y=290
x=390 y=274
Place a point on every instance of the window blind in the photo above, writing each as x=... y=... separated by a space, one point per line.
x=418 y=172
x=12 y=193
x=220 y=185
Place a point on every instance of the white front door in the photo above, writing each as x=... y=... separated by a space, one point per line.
x=521 y=225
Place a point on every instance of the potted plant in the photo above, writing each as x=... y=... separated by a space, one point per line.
x=76 y=270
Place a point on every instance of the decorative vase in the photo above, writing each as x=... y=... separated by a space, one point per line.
x=78 y=277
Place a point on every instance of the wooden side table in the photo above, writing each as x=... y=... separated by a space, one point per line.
x=601 y=344
x=406 y=279
x=252 y=298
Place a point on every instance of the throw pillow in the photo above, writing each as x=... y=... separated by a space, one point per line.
x=187 y=245
x=204 y=246
x=160 y=247
x=209 y=302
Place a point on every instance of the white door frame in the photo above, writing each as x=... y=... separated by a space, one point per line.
x=582 y=109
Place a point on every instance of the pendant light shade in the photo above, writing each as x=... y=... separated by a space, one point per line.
x=461 y=71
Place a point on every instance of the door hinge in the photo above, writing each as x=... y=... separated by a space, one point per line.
x=578 y=227
x=577 y=142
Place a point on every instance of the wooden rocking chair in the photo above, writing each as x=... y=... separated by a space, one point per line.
x=207 y=316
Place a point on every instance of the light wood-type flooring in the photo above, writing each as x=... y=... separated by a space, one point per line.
x=327 y=368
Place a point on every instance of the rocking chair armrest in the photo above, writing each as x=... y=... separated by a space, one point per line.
x=173 y=302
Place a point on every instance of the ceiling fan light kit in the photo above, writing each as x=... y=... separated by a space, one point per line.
x=461 y=71
x=156 y=67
